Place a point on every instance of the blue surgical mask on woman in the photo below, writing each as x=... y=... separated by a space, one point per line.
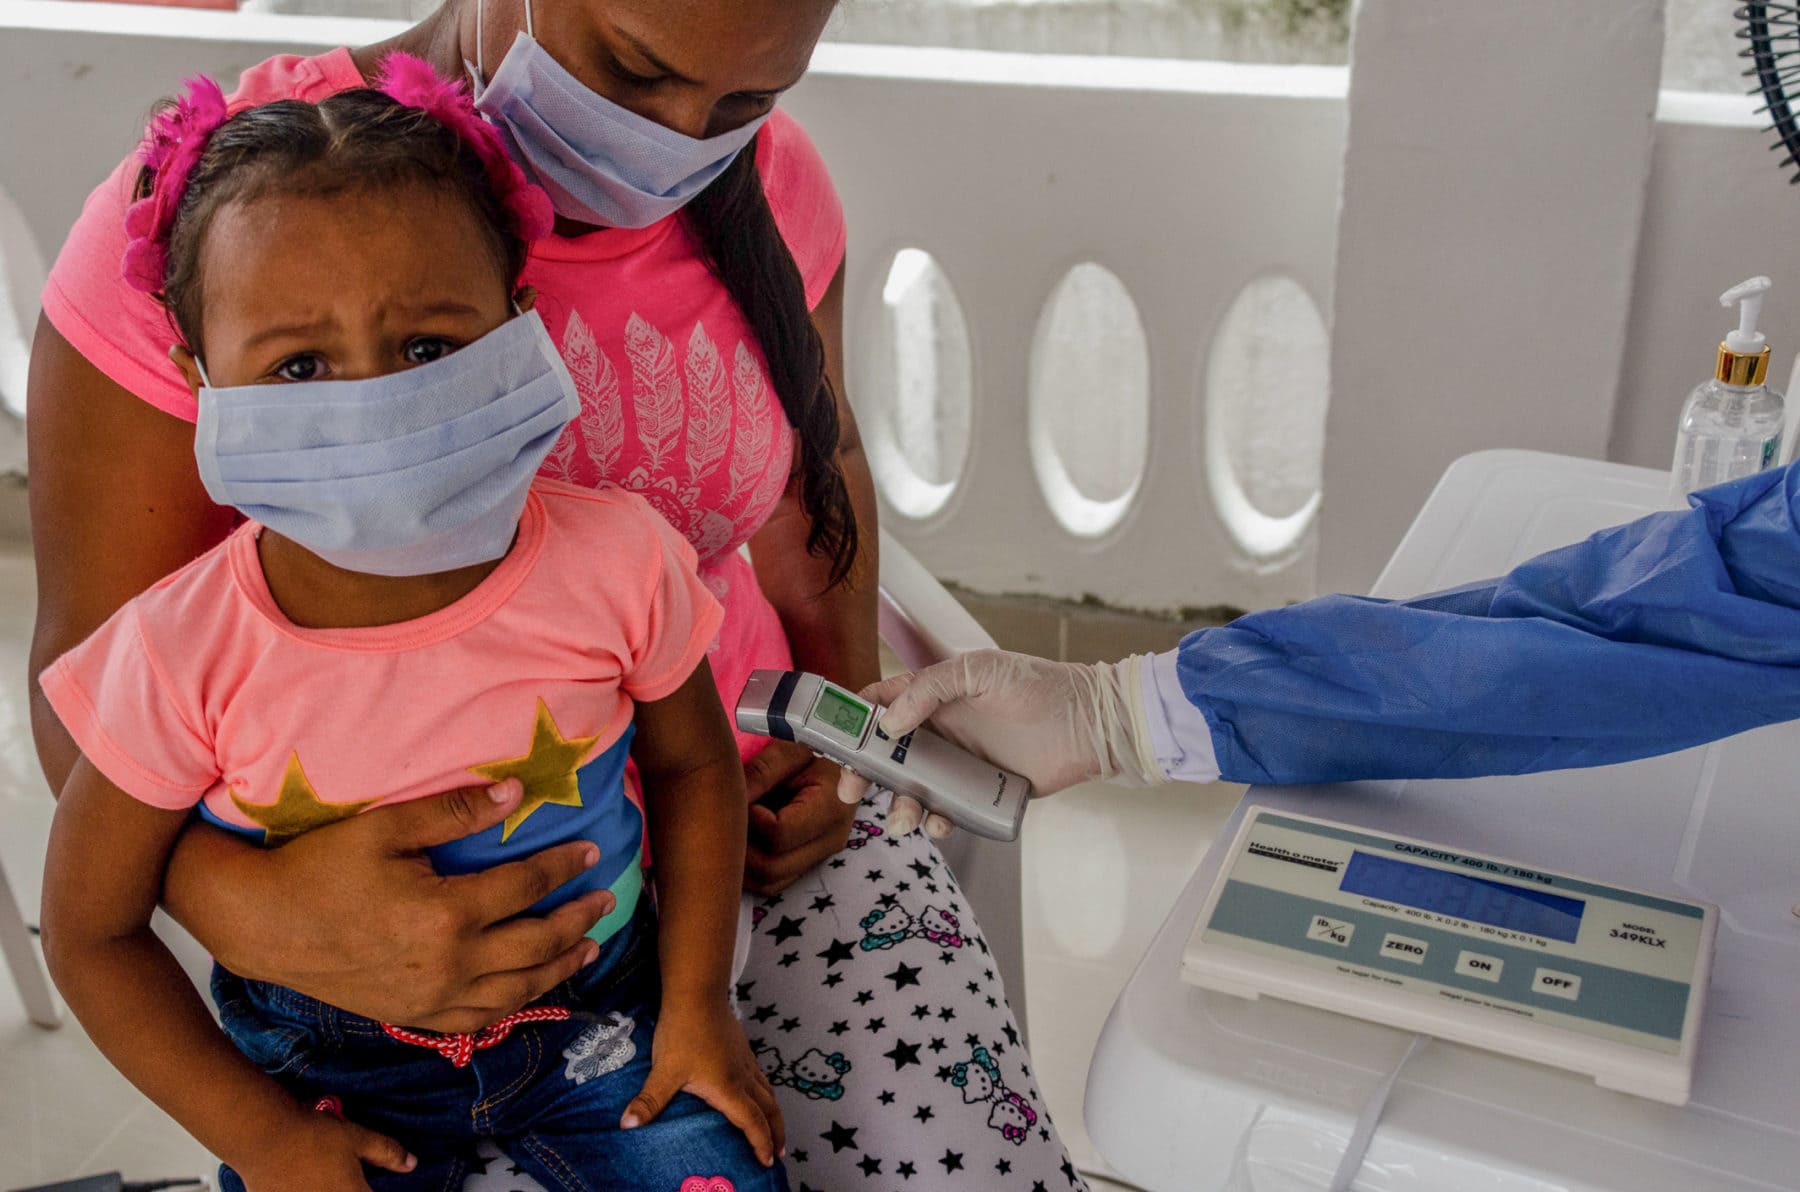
x=601 y=163
x=413 y=473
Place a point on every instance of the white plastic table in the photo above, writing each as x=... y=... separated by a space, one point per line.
x=1192 y=1090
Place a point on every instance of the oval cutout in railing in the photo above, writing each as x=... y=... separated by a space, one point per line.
x=1089 y=400
x=916 y=382
x=1268 y=378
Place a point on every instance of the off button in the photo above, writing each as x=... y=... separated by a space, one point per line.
x=1551 y=983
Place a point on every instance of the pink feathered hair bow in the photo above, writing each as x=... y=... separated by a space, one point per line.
x=412 y=81
x=177 y=138
x=170 y=150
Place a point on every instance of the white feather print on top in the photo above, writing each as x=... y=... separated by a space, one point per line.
x=709 y=407
x=602 y=417
x=560 y=463
x=755 y=428
x=775 y=473
x=656 y=390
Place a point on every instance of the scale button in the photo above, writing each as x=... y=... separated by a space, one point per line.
x=1403 y=947
x=1482 y=968
x=1554 y=984
x=1330 y=931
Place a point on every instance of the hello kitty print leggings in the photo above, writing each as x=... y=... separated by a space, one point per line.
x=877 y=1013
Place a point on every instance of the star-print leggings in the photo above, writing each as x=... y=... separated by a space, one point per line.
x=877 y=1013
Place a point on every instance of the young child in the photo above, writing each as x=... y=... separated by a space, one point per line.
x=405 y=611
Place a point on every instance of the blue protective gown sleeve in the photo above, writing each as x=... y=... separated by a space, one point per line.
x=1676 y=629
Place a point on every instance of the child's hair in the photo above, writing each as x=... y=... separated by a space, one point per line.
x=412 y=127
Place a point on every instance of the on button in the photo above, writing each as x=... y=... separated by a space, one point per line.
x=1482 y=968
x=1554 y=984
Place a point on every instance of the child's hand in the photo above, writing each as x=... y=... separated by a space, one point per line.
x=700 y=1049
x=322 y=1153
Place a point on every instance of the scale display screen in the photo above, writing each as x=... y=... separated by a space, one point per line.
x=1497 y=904
x=841 y=712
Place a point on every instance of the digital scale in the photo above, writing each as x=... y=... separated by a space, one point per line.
x=1584 y=975
x=947 y=780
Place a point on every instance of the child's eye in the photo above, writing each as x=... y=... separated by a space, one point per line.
x=304 y=367
x=427 y=348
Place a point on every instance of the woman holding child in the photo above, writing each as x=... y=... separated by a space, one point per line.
x=693 y=288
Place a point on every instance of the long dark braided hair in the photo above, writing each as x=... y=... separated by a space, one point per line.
x=745 y=250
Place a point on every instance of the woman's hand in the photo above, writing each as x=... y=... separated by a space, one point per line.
x=805 y=823
x=377 y=931
x=700 y=1048
x=322 y=1153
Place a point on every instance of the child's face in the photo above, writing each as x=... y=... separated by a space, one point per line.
x=343 y=287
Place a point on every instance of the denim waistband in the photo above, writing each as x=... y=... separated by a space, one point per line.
x=622 y=958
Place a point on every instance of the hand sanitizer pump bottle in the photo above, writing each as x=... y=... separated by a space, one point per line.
x=1732 y=423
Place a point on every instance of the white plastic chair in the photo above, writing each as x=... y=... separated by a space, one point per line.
x=922 y=624
x=27 y=971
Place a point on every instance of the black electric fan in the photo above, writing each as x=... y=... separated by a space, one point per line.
x=1773 y=31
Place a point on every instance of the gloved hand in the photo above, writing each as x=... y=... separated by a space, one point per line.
x=1056 y=723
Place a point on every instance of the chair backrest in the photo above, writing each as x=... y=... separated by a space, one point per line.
x=922 y=623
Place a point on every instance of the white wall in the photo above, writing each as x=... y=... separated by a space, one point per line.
x=1719 y=210
x=1493 y=186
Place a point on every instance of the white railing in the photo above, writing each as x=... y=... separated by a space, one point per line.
x=1096 y=304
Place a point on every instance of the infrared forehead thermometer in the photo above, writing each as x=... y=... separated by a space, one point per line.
x=949 y=781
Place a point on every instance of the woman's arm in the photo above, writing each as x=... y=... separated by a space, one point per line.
x=116 y=504
x=832 y=633
x=104 y=867
x=694 y=801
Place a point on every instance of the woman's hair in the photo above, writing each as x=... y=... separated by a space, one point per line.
x=737 y=232
x=411 y=129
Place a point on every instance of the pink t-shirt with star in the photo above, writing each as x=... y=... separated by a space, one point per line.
x=201 y=693
x=676 y=401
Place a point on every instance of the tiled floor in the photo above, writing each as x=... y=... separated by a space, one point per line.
x=1101 y=867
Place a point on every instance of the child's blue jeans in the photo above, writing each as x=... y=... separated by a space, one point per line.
x=550 y=1094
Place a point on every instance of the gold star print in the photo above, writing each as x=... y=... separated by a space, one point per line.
x=296 y=809
x=548 y=771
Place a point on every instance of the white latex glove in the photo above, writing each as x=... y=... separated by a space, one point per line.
x=1056 y=723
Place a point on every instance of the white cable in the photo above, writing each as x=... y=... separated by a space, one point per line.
x=1364 y=1133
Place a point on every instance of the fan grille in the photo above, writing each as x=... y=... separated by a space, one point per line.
x=1773 y=31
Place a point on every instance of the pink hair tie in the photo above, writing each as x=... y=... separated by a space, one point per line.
x=412 y=81
x=171 y=148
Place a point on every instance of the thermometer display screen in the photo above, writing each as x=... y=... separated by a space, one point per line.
x=1462 y=896
x=846 y=715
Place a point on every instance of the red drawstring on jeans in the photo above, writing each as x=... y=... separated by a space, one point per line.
x=460 y=1049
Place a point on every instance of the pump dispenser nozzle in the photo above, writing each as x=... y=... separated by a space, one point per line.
x=1744 y=354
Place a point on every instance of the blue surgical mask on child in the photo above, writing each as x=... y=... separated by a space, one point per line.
x=413 y=473
x=601 y=163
